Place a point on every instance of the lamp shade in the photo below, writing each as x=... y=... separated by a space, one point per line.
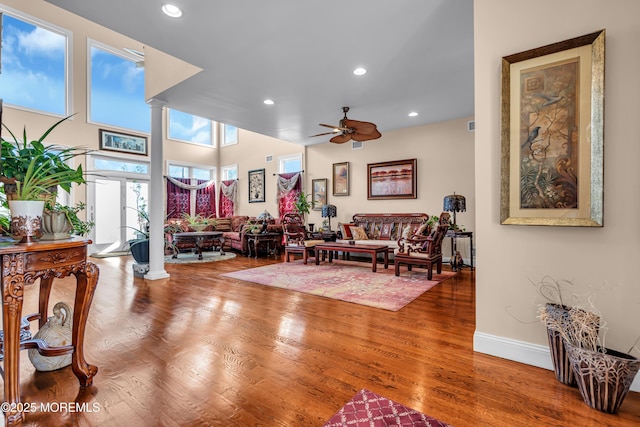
x=265 y=216
x=329 y=211
x=455 y=203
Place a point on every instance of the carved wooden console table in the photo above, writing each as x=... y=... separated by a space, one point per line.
x=22 y=264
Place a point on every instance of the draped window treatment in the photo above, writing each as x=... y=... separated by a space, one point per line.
x=178 y=199
x=228 y=193
x=289 y=186
x=206 y=198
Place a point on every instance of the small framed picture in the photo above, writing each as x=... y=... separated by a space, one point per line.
x=123 y=142
x=341 y=179
x=256 y=186
x=319 y=193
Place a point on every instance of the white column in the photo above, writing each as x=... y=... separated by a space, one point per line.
x=156 y=198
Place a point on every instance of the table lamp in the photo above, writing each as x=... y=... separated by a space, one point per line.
x=329 y=211
x=455 y=203
x=265 y=217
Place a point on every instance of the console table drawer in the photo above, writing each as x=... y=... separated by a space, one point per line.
x=54 y=259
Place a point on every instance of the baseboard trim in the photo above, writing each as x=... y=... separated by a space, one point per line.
x=520 y=351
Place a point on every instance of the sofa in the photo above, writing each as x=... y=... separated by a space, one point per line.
x=234 y=229
x=383 y=228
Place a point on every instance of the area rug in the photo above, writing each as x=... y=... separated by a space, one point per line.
x=349 y=281
x=192 y=258
x=368 y=409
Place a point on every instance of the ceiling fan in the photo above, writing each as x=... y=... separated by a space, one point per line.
x=351 y=129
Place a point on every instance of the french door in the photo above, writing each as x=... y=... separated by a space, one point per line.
x=117 y=208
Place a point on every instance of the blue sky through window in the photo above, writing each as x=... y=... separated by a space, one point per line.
x=33 y=66
x=117 y=92
x=187 y=127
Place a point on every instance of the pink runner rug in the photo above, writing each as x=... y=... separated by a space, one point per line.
x=368 y=409
x=346 y=281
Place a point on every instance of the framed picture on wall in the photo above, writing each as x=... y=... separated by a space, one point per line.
x=341 y=179
x=123 y=142
x=552 y=134
x=319 y=193
x=256 y=185
x=392 y=180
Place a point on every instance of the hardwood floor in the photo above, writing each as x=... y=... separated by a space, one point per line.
x=198 y=349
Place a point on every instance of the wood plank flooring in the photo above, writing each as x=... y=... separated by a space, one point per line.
x=202 y=350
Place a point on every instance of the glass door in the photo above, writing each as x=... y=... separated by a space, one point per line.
x=119 y=209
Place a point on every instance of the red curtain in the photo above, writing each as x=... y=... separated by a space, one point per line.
x=206 y=199
x=226 y=207
x=178 y=199
x=285 y=201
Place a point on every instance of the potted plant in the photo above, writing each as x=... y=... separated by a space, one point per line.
x=32 y=172
x=60 y=221
x=302 y=203
x=198 y=222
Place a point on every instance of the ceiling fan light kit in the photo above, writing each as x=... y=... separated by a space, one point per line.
x=351 y=129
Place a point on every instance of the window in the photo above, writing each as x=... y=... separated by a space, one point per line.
x=229 y=135
x=35 y=60
x=229 y=172
x=189 y=128
x=109 y=164
x=117 y=80
x=180 y=171
x=292 y=163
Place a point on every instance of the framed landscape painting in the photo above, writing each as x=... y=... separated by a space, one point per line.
x=256 y=185
x=392 y=180
x=123 y=142
x=341 y=179
x=553 y=134
x=319 y=193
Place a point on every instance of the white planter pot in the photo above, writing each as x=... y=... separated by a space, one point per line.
x=26 y=218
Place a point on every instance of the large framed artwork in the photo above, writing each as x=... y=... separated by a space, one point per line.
x=392 y=180
x=123 y=142
x=256 y=185
x=319 y=193
x=553 y=134
x=341 y=179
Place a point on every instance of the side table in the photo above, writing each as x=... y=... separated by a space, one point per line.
x=454 y=236
x=22 y=264
x=270 y=240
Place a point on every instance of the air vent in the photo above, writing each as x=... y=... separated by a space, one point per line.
x=471 y=126
x=356 y=145
x=268 y=158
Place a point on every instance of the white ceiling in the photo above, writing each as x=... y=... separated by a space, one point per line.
x=301 y=54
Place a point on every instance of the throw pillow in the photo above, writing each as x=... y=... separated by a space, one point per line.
x=423 y=230
x=223 y=224
x=346 y=230
x=406 y=232
x=358 y=233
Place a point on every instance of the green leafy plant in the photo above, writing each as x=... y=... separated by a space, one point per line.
x=198 y=219
x=36 y=169
x=79 y=227
x=302 y=203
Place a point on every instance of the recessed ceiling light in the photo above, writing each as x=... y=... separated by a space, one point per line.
x=172 y=11
x=359 y=71
x=269 y=101
x=413 y=114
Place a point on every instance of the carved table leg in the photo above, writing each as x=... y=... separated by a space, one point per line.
x=45 y=290
x=12 y=293
x=87 y=280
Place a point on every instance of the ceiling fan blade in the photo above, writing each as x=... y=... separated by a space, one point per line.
x=340 y=139
x=339 y=128
x=360 y=137
x=321 y=134
x=363 y=128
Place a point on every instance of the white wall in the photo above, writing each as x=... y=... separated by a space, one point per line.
x=601 y=260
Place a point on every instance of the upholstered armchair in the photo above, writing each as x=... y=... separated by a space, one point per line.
x=295 y=237
x=423 y=252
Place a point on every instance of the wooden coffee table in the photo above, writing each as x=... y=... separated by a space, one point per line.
x=199 y=237
x=373 y=250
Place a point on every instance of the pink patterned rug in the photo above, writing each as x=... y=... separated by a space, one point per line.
x=368 y=409
x=349 y=281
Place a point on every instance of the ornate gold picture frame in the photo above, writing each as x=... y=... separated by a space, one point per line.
x=553 y=134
